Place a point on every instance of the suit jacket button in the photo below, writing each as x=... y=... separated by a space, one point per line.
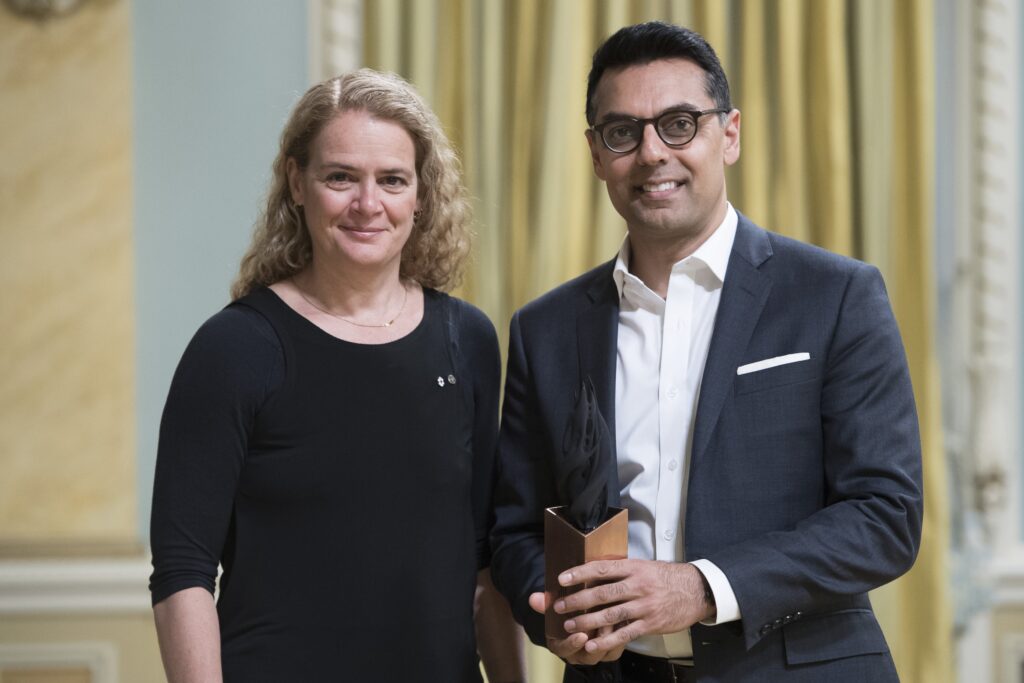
x=765 y=629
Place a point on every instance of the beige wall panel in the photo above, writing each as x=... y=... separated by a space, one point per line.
x=133 y=635
x=67 y=348
x=46 y=676
x=1008 y=643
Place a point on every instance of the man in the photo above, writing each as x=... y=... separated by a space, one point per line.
x=758 y=400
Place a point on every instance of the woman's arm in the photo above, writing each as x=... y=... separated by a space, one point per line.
x=225 y=375
x=499 y=639
x=189 y=635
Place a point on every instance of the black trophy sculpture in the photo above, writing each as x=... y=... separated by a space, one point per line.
x=582 y=471
x=585 y=528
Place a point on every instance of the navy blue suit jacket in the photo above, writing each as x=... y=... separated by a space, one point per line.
x=804 y=480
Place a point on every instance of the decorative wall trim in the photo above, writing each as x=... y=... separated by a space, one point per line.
x=42 y=10
x=980 y=213
x=1008 y=570
x=335 y=37
x=974 y=660
x=74 y=586
x=995 y=220
x=99 y=658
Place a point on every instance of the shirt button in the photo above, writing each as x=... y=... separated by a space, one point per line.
x=673 y=392
x=672 y=465
x=667 y=534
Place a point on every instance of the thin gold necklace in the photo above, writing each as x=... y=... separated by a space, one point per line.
x=342 y=318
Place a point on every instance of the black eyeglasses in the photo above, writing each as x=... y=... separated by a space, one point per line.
x=675 y=128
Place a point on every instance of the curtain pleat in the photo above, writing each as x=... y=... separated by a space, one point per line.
x=837 y=100
x=922 y=596
x=751 y=85
x=791 y=203
x=871 y=54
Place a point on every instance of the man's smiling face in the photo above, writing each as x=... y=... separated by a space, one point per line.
x=665 y=193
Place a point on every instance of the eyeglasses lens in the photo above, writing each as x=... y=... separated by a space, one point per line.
x=677 y=128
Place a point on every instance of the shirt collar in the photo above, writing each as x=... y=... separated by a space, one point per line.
x=714 y=252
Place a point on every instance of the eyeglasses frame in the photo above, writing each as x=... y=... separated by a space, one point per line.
x=695 y=113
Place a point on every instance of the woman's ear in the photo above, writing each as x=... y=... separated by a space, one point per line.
x=295 y=181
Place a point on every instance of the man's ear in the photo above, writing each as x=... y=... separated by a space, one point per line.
x=731 y=152
x=595 y=152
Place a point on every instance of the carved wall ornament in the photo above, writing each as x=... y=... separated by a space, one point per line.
x=42 y=10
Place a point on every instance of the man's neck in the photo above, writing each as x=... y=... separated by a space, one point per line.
x=652 y=260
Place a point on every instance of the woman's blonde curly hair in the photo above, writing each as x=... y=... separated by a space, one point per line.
x=439 y=243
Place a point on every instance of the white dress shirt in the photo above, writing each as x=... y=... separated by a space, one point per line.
x=662 y=348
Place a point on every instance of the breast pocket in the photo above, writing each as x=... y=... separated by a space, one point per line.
x=778 y=376
x=780 y=408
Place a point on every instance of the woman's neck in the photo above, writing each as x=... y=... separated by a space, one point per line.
x=351 y=294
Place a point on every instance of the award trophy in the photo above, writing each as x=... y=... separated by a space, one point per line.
x=586 y=528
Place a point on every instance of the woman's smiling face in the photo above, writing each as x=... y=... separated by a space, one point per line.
x=359 y=191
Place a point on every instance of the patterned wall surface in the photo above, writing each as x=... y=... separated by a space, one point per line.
x=67 y=351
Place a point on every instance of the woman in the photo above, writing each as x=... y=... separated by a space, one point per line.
x=329 y=436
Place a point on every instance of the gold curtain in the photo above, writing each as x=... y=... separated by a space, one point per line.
x=837 y=99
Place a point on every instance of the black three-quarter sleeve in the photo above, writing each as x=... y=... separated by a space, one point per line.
x=229 y=369
x=482 y=359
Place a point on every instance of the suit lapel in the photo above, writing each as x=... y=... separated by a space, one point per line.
x=743 y=297
x=596 y=338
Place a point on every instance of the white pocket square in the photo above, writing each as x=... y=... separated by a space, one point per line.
x=772 y=362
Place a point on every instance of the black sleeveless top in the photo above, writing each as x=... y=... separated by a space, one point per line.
x=344 y=488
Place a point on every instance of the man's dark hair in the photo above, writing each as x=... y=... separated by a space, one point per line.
x=649 y=42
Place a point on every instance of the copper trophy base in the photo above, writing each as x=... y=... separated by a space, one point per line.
x=566 y=547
